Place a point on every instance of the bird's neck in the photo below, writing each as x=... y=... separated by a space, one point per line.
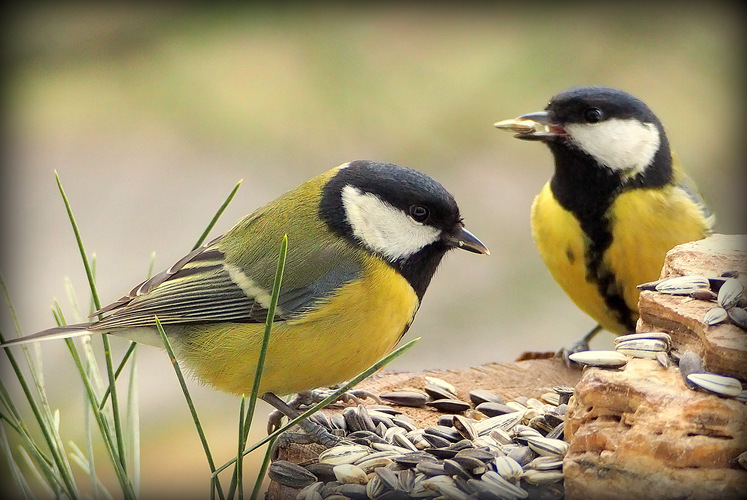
x=587 y=189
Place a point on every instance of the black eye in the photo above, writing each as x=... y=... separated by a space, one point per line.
x=593 y=115
x=419 y=213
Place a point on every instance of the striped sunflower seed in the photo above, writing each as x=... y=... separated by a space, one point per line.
x=730 y=293
x=717 y=384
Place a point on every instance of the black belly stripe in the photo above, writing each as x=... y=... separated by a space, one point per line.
x=588 y=191
x=600 y=236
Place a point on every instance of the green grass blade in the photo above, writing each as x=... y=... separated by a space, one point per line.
x=47 y=433
x=118 y=372
x=133 y=425
x=22 y=487
x=268 y=330
x=104 y=428
x=191 y=406
x=263 y=469
x=247 y=419
x=217 y=215
x=335 y=396
x=105 y=339
x=239 y=471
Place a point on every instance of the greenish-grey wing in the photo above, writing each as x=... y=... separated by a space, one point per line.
x=203 y=287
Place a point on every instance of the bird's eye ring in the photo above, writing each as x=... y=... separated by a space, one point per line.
x=419 y=213
x=593 y=115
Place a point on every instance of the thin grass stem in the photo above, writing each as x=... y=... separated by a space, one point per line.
x=217 y=215
x=191 y=406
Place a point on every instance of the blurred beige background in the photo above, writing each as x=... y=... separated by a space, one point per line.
x=152 y=114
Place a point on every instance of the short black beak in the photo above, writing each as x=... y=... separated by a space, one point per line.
x=532 y=127
x=466 y=241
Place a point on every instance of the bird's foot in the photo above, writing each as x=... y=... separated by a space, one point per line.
x=580 y=345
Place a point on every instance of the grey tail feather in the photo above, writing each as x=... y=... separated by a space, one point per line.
x=59 y=332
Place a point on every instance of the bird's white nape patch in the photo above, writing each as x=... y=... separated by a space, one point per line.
x=625 y=145
x=383 y=228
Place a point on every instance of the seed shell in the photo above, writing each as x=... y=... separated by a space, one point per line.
x=343 y=454
x=605 y=359
x=479 y=396
x=682 y=285
x=542 y=477
x=663 y=336
x=715 y=315
x=739 y=317
x=350 y=474
x=730 y=293
x=290 y=474
x=642 y=348
x=449 y=405
x=415 y=399
x=717 y=384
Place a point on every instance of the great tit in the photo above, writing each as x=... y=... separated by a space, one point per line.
x=616 y=203
x=364 y=240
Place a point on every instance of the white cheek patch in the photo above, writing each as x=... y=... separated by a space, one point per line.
x=623 y=145
x=384 y=228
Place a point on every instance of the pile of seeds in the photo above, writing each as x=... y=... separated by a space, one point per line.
x=726 y=291
x=503 y=450
x=658 y=345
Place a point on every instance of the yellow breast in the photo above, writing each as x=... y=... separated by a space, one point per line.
x=360 y=324
x=645 y=225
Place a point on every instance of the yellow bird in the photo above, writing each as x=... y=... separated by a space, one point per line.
x=616 y=203
x=364 y=241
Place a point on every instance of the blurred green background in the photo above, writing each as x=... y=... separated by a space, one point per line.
x=150 y=114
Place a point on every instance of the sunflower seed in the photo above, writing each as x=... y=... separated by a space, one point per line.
x=464 y=427
x=642 y=348
x=505 y=422
x=437 y=392
x=715 y=315
x=739 y=317
x=518 y=126
x=662 y=336
x=493 y=409
x=454 y=468
x=354 y=491
x=448 y=433
x=369 y=464
x=730 y=293
x=415 y=399
x=542 y=477
x=500 y=436
x=508 y=468
x=546 y=463
x=522 y=454
x=441 y=383
x=449 y=405
x=682 y=285
x=350 y=474
x=479 y=396
x=306 y=493
x=290 y=474
x=545 y=446
x=502 y=485
x=551 y=398
x=717 y=384
x=401 y=440
x=473 y=465
x=388 y=477
x=605 y=359
x=557 y=432
x=742 y=396
x=664 y=359
x=343 y=454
